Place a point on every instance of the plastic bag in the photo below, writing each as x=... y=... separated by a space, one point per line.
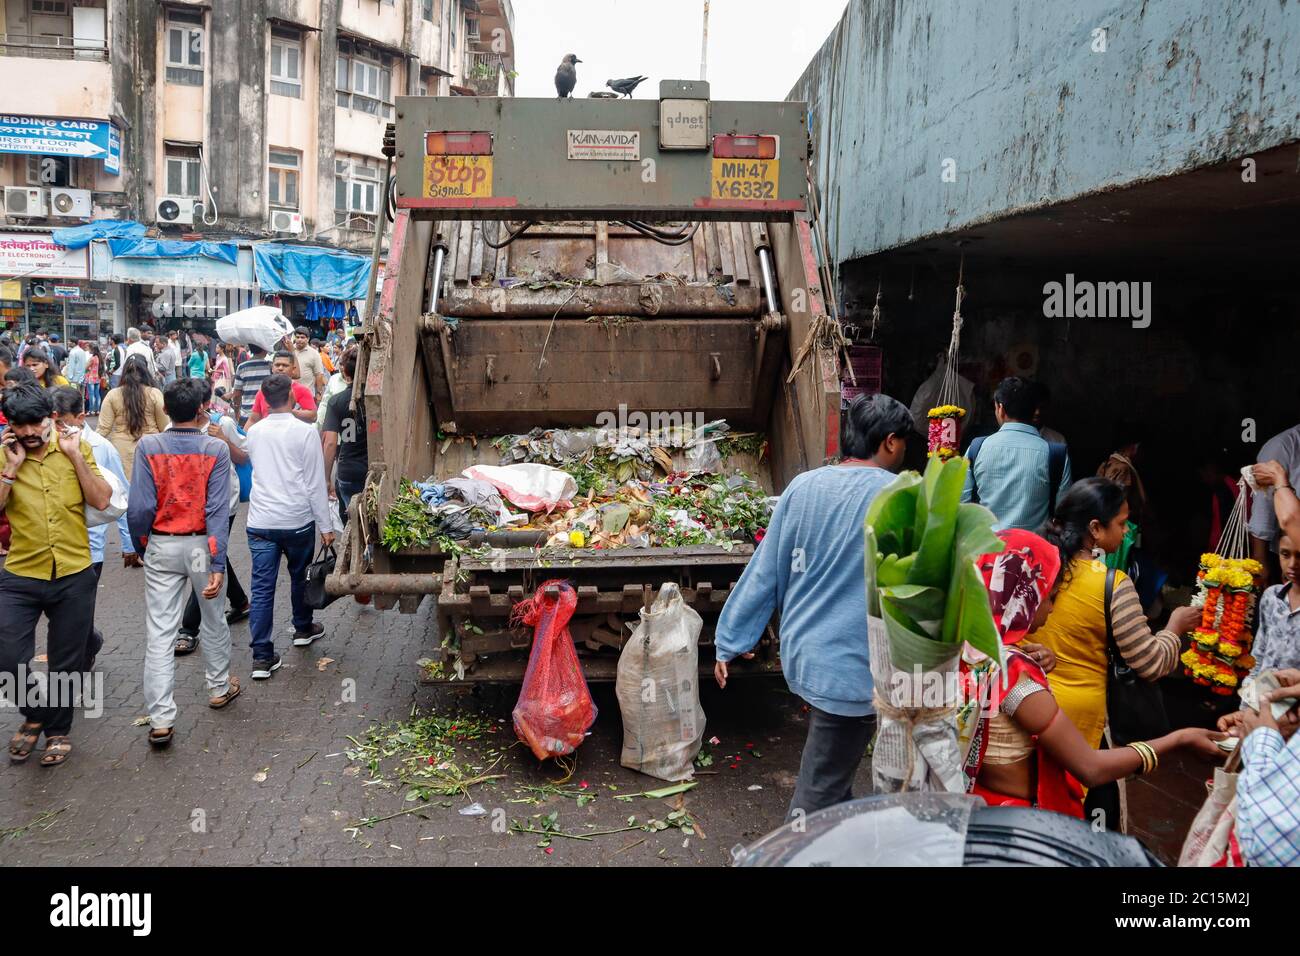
x=531 y=486
x=704 y=457
x=658 y=689
x=262 y=325
x=1207 y=839
x=116 y=502
x=555 y=709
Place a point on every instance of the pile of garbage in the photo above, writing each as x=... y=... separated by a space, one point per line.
x=599 y=456
x=594 y=488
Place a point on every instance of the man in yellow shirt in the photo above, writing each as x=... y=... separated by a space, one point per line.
x=45 y=483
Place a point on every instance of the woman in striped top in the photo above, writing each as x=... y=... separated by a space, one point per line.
x=1089 y=521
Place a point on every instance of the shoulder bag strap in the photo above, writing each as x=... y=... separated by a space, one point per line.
x=971 y=452
x=1111 y=647
x=1056 y=453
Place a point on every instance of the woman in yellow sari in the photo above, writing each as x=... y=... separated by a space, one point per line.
x=1089 y=523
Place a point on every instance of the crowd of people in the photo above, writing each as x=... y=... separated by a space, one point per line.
x=1066 y=597
x=185 y=428
x=186 y=431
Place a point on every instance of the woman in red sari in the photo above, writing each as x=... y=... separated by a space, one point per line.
x=1023 y=751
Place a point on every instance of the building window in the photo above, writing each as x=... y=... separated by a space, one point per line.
x=54 y=8
x=51 y=171
x=471 y=29
x=183 y=170
x=283 y=166
x=185 y=47
x=286 y=63
x=428 y=10
x=365 y=83
x=356 y=193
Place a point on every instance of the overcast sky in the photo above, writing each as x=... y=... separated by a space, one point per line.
x=757 y=48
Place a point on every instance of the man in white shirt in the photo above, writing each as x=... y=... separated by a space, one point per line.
x=137 y=346
x=287 y=506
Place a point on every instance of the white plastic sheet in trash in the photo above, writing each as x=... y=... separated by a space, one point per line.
x=530 y=486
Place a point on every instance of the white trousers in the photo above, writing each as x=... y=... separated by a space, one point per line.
x=170 y=564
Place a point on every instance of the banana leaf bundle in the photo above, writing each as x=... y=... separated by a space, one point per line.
x=921 y=547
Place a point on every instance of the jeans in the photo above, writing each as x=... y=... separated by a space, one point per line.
x=267 y=546
x=114 y=380
x=92 y=398
x=68 y=603
x=192 y=619
x=169 y=566
x=347 y=491
x=831 y=756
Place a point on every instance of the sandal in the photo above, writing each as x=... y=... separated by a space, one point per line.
x=162 y=736
x=216 y=703
x=186 y=645
x=24 y=742
x=57 y=750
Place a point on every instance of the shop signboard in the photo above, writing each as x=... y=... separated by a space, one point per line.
x=36 y=255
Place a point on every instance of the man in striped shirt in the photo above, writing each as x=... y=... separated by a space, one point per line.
x=248 y=381
x=1014 y=472
x=1268 y=790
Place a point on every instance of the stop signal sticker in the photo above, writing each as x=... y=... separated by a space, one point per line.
x=458 y=177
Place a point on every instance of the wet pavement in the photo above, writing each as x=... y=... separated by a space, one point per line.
x=267 y=780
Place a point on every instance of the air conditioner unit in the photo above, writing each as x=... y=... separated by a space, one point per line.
x=177 y=210
x=26 y=201
x=72 y=203
x=284 y=221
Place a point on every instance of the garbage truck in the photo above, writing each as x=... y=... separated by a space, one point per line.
x=555 y=261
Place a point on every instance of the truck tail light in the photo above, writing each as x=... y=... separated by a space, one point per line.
x=744 y=147
x=457 y=144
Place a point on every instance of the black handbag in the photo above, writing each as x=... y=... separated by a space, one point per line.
x=1135 y=708
x=314 y=590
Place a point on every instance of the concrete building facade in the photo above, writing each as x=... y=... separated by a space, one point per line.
x=245 y=119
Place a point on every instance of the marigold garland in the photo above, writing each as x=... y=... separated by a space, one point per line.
x=1218 y=654
x=944 y=437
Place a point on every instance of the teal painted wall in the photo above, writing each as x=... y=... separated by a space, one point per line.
x=1014 y=94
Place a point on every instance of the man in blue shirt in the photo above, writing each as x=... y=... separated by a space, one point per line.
x=1014 y=472
x=70 y=410
x=809 y=568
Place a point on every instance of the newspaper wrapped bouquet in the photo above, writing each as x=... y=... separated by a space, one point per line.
x=925 y=599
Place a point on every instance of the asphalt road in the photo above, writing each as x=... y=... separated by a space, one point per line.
x=268 y=781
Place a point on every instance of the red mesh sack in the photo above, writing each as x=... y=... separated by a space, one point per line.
x=555 y=708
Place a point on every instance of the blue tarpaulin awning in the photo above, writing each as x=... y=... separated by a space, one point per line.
x=311 y=271
x=227 y=252
x=78 y=237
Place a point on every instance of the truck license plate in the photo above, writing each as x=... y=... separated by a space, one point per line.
x=458 y=177
x=745 y=178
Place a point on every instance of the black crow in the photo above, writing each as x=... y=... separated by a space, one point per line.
x=566 y=77
x=626 y=86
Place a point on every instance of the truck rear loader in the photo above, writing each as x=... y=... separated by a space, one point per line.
x=556 y=262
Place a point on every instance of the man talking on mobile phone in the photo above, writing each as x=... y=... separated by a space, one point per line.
x=47 y=479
